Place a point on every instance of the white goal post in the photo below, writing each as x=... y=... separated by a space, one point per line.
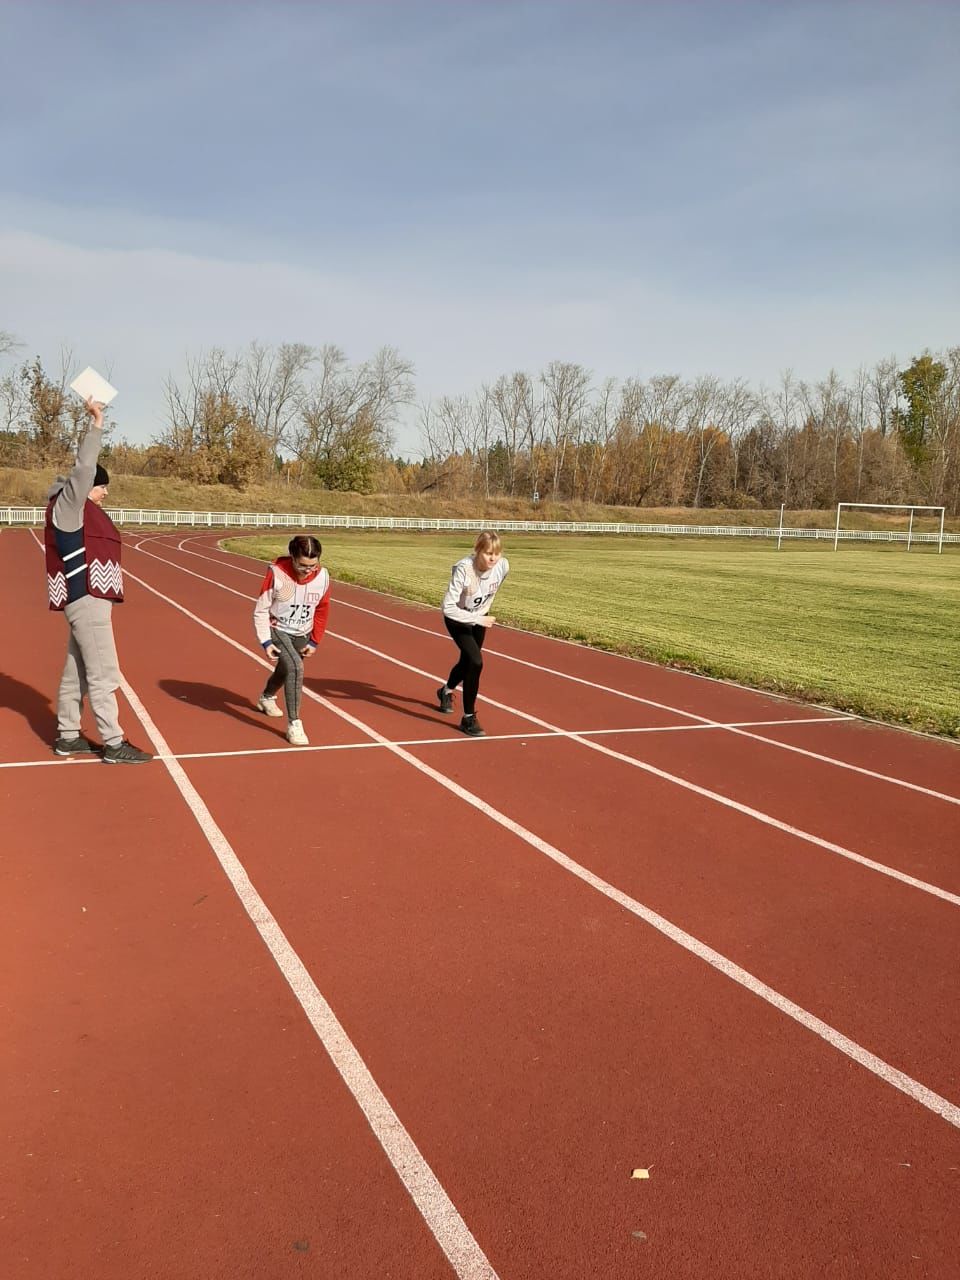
x=892 y=506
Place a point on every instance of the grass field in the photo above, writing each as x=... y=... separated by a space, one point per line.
x=869 y=629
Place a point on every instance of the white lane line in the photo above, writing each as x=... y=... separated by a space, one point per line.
x=631 y=761
x=42 y=764
x=738 y=729
x=437 y=1209
x=863 y=1057
x=451 y=740
x=727 y=802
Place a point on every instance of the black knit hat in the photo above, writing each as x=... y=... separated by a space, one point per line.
x=101 y=477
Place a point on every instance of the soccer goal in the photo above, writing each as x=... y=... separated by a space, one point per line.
x=891 y=506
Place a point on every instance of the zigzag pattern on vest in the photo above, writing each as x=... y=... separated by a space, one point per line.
x=106 y=576
x=56 y=588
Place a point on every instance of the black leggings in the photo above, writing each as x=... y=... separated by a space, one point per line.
x=289 y=670
x=469 y=640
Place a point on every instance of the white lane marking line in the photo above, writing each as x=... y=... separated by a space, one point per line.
x=449 y=740
x=738 y=729
x=869 y=1061
x=727 y=802
x=42 y=764
x=706 y=720
x=436 y=1208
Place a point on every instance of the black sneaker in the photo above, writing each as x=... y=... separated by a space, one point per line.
x=470 y=726
x=445 y=698
x=77 y=746
x=125 y=753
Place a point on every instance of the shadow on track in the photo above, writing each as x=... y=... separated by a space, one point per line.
x=35 y=707
x=360 y=691
x=211 y=697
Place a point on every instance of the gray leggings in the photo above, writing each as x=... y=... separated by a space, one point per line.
x=289 y=670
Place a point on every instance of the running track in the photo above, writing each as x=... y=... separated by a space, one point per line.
x=408 y=1005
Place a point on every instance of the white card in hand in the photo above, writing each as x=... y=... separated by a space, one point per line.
x=89 y=384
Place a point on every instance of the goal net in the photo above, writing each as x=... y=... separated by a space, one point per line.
x=911 y=536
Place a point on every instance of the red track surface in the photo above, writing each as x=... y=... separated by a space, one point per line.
x=745 y=945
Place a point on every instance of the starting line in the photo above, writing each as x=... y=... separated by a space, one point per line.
x=453 y=739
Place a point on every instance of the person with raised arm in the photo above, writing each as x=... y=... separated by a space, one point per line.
x=84 y=582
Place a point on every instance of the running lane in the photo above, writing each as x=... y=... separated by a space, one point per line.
x=404 y=951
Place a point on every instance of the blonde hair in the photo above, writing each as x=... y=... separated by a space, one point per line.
x=487 y=540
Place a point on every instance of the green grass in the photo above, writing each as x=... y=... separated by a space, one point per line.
x=875 y=630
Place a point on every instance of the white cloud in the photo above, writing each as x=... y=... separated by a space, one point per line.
x=137 y=313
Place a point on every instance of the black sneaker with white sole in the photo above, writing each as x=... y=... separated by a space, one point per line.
x=470 y=725
x=445 y=698
x=77 y=746
x=125 y=753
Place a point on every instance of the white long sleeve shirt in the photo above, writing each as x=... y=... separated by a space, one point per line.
x=470 y=594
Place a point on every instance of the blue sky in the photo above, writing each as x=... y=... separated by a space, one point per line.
x=727 y=188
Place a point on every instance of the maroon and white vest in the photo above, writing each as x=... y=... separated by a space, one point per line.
x=83 y=563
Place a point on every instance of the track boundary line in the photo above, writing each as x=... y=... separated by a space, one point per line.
x=837 y=716
x=875 y=1065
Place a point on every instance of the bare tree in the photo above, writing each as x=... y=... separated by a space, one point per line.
x=511 y=401
x=828 y=419
x=885 y=386
x=272 y=390
x=387 y=382
x=347 y=414
x=784 y=408
x=714 y=413
x=599 y=428
x=566 y=388
x=8 y=343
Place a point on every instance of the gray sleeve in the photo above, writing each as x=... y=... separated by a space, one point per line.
x=68 y=508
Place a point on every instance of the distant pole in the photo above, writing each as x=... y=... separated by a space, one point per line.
x=910 y=530
x=940 y=543
x=780 y=534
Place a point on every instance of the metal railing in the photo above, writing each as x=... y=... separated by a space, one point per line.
x=141 y=517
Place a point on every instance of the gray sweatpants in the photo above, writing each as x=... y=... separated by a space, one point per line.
x=91 y=670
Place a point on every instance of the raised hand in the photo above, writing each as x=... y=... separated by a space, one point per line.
x=95 y=409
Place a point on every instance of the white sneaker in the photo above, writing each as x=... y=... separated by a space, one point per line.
x=295 y=735
x=268 y=706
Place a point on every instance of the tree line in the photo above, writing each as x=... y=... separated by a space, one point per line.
x=310 y=417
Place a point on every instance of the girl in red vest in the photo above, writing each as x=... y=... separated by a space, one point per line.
x=290 y=617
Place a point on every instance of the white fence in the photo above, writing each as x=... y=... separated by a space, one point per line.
x=32 y=516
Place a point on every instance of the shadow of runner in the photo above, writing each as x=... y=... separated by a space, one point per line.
x=35 y=707
x=360 y=691
x=211 y=697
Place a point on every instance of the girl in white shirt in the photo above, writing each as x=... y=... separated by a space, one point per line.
x=474 y=582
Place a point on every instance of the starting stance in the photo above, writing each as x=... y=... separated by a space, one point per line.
x=290 y=617
x=475 y=580
x=84 y=582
